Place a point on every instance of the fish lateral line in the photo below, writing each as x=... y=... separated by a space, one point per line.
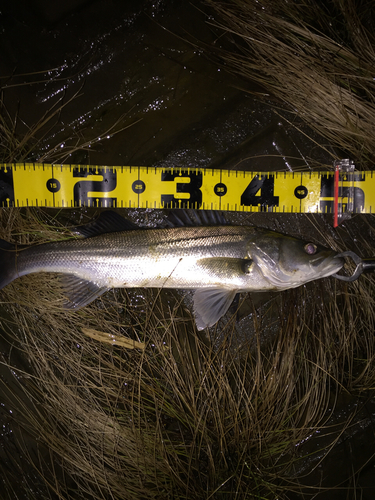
x=216 y=262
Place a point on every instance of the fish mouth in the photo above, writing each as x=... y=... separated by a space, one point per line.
x=328 y=263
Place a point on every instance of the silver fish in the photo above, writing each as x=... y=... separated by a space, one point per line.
x=216 y=262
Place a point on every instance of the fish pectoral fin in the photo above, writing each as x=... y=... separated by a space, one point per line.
x=210 y=304
x=79 y=292
x=225 y=265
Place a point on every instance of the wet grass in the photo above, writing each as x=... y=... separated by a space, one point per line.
x=146 y=407
x=315 y=57
x=179 y=416
x=20 y=142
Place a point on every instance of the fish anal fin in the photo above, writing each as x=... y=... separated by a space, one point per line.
x=79 y=292
x=210 y=304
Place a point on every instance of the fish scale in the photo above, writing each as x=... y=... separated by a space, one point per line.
x=215 y=261
x=151 y=258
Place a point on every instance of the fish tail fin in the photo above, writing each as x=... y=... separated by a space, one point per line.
x=8 y=264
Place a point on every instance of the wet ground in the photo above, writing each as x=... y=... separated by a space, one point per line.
x=139 y=90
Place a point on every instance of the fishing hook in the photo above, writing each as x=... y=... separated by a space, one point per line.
x=363 y=266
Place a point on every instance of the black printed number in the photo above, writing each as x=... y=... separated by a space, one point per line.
x=83 y=187
x=260 y=193
x=191 y=188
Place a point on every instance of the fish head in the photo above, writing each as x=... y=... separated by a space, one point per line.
x=287 y=262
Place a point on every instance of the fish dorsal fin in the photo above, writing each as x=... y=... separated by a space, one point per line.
x=79 y=292
x=111 y=222
x=107 y=222
x=184 y=218
x=210 y=304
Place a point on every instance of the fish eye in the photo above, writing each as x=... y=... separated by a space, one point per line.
x=310 y=248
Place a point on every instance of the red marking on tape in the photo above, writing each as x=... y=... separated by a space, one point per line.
x=336 y=197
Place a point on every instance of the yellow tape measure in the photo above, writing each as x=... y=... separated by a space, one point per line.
x=46 y=185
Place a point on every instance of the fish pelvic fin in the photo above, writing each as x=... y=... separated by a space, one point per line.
x=210 y=304
x=8 y=260
x=79 y=292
